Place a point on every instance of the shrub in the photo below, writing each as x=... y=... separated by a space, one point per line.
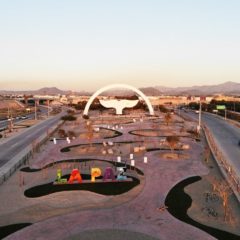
x=71 y=134
x=68 y=118
x=62 y=133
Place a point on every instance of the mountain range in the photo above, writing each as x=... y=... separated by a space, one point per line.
x=231 y=88
x=46 y=91
x=228 y=88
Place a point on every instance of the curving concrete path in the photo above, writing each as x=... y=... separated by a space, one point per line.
x=139 y=215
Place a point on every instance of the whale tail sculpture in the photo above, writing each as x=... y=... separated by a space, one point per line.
x=119 y=105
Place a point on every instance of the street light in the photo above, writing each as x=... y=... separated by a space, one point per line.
x=48 y=107
x=35 y=109
x=199 y=117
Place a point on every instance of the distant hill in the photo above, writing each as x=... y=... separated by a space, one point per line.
x=52 y=91
x=151 y=91
x=230 y=88
x=46 y=91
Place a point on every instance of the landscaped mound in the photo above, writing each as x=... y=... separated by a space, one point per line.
x=108 y=187
x=104 y=188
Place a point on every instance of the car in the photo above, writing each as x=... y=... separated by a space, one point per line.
x=23 y=117
x=197 y=111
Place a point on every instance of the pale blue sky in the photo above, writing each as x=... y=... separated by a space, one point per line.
x=86 y=44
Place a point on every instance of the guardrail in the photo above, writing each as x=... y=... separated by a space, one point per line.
x=227 y=170
x=22 y=157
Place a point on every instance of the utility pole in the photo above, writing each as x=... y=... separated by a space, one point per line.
x=199 y=117
x=10 y=120
x=35 y=109
x=48 y=108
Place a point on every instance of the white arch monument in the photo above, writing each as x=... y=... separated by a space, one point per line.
x=125 y=86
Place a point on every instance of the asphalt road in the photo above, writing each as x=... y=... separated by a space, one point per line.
x=226 y=136
x=12 y=147
x=4 y=123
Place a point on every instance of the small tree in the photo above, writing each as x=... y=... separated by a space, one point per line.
x=70 y=112
x=25 y=99
x=172 y=141
x=224 y=191
x=207 y=153
x=182 y=129
x=62 y=133
x=163 y=109
x=71 y=134
x=90 y=133
x=168 y=118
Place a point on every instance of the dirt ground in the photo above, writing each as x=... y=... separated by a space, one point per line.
x=198 y=192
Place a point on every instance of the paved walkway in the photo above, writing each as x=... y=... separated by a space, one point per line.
x=139 y=215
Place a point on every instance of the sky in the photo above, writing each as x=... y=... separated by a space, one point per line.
x=84 y=45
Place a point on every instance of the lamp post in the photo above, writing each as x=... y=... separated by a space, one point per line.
x=35 y=110
x=199 y=117
x=48 y=108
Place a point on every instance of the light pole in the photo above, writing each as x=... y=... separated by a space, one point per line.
x=199 y=117
x=48 y=108
x=35 y=109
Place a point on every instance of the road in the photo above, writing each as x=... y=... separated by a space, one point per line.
x=12 y=147
x=4 y=123
x=226 y=135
